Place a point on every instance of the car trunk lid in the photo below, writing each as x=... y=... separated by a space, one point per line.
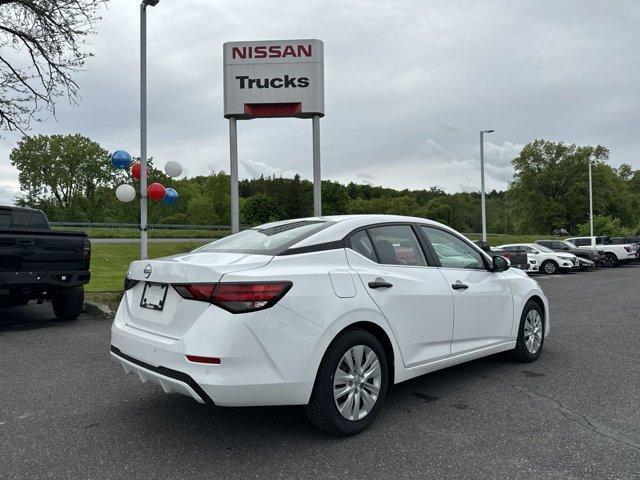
x=178 y=314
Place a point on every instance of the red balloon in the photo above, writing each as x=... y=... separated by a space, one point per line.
x=136 y=168
x=156 y=191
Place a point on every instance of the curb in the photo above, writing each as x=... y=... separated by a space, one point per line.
x=99 y=309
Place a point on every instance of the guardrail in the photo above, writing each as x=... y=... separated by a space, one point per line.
x=150 y=226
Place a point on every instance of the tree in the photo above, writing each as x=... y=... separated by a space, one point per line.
x=62 y=167
x=550 y=185
x=41 y=46
x=260 y=208
x=604 y=225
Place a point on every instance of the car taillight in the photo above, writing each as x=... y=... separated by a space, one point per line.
x=236 y=297
x=196 y=291
x=129 y=283
x=86 y=249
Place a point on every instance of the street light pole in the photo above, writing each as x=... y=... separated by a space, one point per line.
x=143 y=125
x=590 y=201
x=482 y=193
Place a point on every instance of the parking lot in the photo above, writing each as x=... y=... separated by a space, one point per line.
x=67 y=411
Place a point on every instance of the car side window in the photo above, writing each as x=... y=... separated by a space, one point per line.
x=452 y=251
x=397 y=245
x=360 y=243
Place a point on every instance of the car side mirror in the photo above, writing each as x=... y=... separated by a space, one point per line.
x=500 y=264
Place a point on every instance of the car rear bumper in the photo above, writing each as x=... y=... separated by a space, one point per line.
x=28 y=282
x=171 y=381
x=260 y=364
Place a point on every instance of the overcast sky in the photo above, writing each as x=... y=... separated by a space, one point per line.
x=408 y=86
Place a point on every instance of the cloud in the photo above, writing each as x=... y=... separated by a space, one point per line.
x=8 y=193
x=409 y=84
x=256 y=169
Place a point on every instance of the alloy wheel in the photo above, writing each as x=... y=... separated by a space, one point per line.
x=356 y=383
x=533 y=331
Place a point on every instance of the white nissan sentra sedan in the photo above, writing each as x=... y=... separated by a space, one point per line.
x=326 y=312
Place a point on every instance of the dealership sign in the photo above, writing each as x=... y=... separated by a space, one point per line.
x=274 y=79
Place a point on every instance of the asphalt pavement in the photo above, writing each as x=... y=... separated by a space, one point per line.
x=67 y=411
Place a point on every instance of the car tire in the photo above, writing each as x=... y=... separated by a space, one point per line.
x=329 y=392
x=610 y=260
x=549 y=267
x=530 y=334
x=68 y=304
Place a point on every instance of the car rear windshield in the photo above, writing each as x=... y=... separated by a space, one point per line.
x=266 y=241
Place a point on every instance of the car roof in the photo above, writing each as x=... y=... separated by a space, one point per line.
x=342 y=225
x=19 y=209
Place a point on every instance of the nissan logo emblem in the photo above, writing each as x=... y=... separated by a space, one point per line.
x=147 y=271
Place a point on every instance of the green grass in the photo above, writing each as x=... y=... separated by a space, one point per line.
x=109 y=261
x=153 y=233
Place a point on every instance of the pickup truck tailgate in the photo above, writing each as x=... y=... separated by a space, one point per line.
x=42 y=250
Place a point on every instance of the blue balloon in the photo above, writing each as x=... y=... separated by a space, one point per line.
x=121 y=159
x=170 y=196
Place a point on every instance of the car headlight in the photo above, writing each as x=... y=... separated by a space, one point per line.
x=564 y=257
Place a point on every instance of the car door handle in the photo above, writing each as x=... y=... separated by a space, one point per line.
x=379 y=283
x=459 y=286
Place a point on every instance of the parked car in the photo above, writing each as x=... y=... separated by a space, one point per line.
x=559 y=232
x=543 y=259
x=37 y=263
x=322 y=312
x=614 y=255
x=587 y=258
x=516 y=259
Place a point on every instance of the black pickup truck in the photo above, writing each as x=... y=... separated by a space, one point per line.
x=517 y=259
x=37 y=263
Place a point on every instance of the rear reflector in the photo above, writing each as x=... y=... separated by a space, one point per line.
x=236 y=297
x=209 y=360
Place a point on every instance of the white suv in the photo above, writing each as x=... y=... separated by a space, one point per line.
x=543 y=259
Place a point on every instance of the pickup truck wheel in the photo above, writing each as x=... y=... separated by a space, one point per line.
x=68 y=304
x=610 y=260
x=549 y=267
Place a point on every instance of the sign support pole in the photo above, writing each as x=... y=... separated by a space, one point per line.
x=143 y=131
x=317 y=177
x=233 y=148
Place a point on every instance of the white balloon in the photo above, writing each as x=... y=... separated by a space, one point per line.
x=125 y=193
x=173 y=168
